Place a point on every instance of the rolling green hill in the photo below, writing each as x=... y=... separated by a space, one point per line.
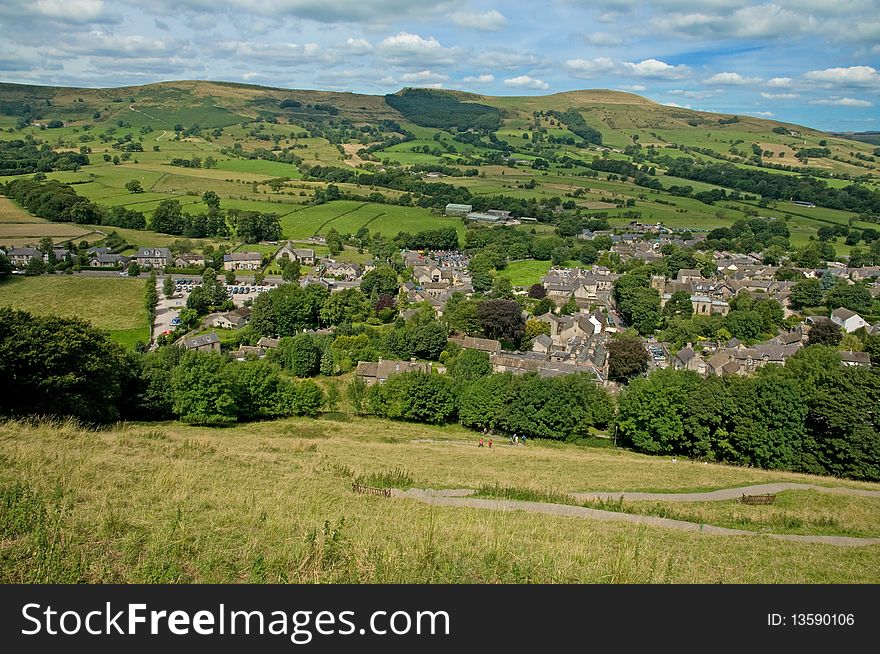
x=568 y=147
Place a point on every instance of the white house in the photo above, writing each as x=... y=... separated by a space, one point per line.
x=849 y=320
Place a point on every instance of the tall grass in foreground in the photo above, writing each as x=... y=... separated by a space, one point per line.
x=272 y=503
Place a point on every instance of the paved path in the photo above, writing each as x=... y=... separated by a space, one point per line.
x=461 y=498
x=723 y=494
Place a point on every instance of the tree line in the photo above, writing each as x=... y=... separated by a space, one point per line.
x=813 y=415
x=65 y=367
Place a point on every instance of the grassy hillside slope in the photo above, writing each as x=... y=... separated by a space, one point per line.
x=272 y=502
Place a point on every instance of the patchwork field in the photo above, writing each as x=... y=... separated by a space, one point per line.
x=272 y=502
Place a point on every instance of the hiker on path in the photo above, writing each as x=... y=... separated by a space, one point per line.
x=481 y=442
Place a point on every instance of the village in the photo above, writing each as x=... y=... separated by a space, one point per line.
x=577 y=327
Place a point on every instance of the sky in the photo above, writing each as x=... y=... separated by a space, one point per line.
x=811 y=62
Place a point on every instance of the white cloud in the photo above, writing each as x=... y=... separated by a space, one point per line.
x=780 y=96
x=843 y=102
x=508 y=59
x=357 y=46
x=698 y=95
x=588 y=68
x=480 y=79
x=779 y=82
x=70 y=11
x=656 y=68
x=761 y=114
x=852 y=76
x=486 y=21
x=249 y=76
x=675 y=104
x=526 y=82
x=759 y=21
x=424 y=77
x=413 y=50
x=648 y=68
x=731 y=78
x=636 y=88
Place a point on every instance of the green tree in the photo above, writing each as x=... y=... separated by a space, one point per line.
x=5 y=266
x=855 y=297
x=744 y=325
x=806 y=293
x=151 y=297
x=134 y=269
x=203 y=393
x=299 y=354
x=168 y=286
x=824 y=333
x=290 y=270
x=35 y=267
x=462 y=314
x=357 y=395
x=627 y=358
x=502 y=320
x=382 y=279
x=569 y=307
x=415 y=396
x=469 y=366
x=346 y=306
x=54 y=366
x=502 y=289
x=679 y=304
x=134 y=186
x=480 y=269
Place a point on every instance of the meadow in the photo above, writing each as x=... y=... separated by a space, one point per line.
x=111 y=303
x=272 y=502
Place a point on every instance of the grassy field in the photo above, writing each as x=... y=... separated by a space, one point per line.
x=347 y=216
x=271 y=502
x=111 y=303
x=529 y=271
x=10 y=212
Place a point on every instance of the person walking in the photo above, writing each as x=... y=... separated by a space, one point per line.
x=490 y=443
x=481 y=442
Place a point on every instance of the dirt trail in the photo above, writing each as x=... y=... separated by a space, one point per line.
x=723 y=494
x=461 y=498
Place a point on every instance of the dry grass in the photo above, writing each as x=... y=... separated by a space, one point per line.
x=271 y=502
x=10 y=212
x=38 y=230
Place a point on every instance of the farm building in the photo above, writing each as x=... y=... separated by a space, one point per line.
x=458 y=209
x=484 y=217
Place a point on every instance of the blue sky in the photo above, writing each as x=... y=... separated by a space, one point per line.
x=813 y=62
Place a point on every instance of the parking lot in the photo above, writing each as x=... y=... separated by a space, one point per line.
x=240 y=293
x=658 y=355
x=168 y=309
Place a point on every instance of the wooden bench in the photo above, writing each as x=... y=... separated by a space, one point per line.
x=758 y=499
x=369 y=490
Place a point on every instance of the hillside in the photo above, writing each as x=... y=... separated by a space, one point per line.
x=272 y=502
x=592 y=150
